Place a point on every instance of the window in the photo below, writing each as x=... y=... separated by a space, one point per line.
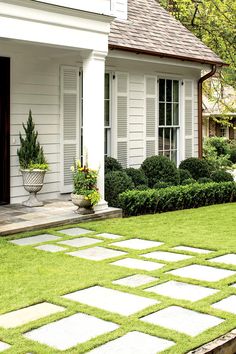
x=168 y=128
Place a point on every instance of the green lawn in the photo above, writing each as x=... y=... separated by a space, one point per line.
x=29 y=276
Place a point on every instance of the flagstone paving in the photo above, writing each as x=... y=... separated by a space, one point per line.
x=192 y=249
x=185 y=321
x=137 y=244
x=4 y=346
x=134 y=263
x=70 y=331
x=80 y=242
x=50 y=248
x=135 y=280
x=134 y=343
x=33 y=240
x=109 y=236
x=184 y=291
x=227 y=259
x=111 y=300
x=75 y=231
x=166 y=256
x=201 y=272
x=228 y=304
x=97 y=253
x=25 y=315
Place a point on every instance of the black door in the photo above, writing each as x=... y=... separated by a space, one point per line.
x=4 y=130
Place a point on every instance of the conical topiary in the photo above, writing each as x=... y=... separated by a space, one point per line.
x=30 y=153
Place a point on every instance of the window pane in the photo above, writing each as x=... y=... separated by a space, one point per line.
x=175 y=114
x=176 y=91
x=167 y=139
x=162 y=114
x=107 y=86
x=161 y=131
x=174 y=156
x=168 y=114
x=167 y=154
x=161 y=90
x=174 y=138
x=107 y=113
x=169 y=90
x=105 y=142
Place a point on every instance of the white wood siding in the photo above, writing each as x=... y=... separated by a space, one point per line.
x=119 y=8
x=195 y=148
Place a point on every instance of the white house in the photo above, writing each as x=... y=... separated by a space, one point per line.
x=56 y=57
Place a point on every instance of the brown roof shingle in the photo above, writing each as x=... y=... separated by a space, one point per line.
x=152 y=30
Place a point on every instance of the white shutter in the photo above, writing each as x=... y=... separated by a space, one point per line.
x=122 y=118
x=69 y=101
x=151 y=114
x=188 y=117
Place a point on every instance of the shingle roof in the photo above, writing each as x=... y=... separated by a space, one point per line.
x=152 y=30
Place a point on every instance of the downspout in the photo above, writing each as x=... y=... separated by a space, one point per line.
x=200 y=81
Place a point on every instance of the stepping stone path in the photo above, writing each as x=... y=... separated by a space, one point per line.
x=166 y=256
x=75 y=231
x=135 y=280
x=97 y=253
x=70 y=331
x=228 y=304
x=185 y=321
x=137 y=244
x=50 y=248
x=80 y=242
x=137 y=264
x=111 y=300
x=227 y=259
x=134 y=343
x=109 y=236
x=33 y=240
x=20 y=317
x=4 y=346
x=200 y=272
x=184 y=291
x=192 y=249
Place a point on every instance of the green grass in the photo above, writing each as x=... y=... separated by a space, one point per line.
x=29 y=276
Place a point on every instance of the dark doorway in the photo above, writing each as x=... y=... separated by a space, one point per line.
x=4 y=130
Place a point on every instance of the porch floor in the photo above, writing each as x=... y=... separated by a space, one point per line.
x=17 y=218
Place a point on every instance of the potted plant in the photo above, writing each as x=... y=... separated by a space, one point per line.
x=85 y=193
x=33 y=164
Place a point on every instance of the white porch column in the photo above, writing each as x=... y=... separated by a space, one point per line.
x=93 y=117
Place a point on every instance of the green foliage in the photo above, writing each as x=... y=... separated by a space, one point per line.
x=85 y=182
x=159 y=185
x=188 y=181
x=197 y=168
x=137 y=175
x=233 y=154
x=204 y=180
x=36 y=166
x=112 y=164
x=30 y=152
x=141 y=187
x=160 y=169
x=221 y=176
x=183 y=175
x=177 y=198
x=216 y=151
x=116 y=182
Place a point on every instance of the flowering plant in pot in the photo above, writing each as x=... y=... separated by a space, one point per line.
x=85 y=193
x=33 y=164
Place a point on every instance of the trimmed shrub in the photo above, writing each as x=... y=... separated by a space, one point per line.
x=177 y=198
x=188 y=181
x=160 y=169
x=116 y=182
x=221 y=145
x=233 y=154
x=137 y=175
x=159 y=185
x=197 y=168
x=222 y=176
x=112 y=164
x=183 y=175
x=216 y=151
x=141 y=187
x=204 y=180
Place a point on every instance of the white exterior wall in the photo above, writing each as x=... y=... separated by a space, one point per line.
x=195 y=149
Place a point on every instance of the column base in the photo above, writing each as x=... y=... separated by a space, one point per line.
x=102 y=205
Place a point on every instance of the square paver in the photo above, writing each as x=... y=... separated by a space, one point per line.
x=80 y=242
x=228 y=304
x=111 y=300
x=97 y=253
x=137 y=264
x=137 y=244
x=226 y=258
x=134 y=343
x=4 y=346
x=70 y=331
x=25 y=315
x=135 y=280
x=75 y=231
x=234 y=285
x=201 y=272
x=185 y=321
x=50 y=248
x=109 y=236
x=184 y=291
x=192 y=249
x=166 y=256
x=33 y=240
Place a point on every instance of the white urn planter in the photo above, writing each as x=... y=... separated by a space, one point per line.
x=33 y=183
x=84 y=205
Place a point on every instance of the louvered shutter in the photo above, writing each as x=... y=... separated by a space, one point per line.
x=122 y=118
x=188 y=117
x=151 y=113
x=69 y=124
